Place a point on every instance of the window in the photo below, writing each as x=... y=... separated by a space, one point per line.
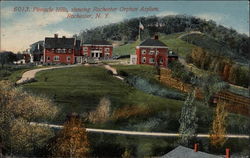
x=68 y=58
x=56 y=58
x=63 y=50
x=151 y=52
x=143 y=51
x=85 y=48
x=69 y=50
x=151 y=60
x=157 y=52
x=48 y=58
x=58 y=50
x=107 y=54
x=106 y=49
x=53 y=50
x=161 y=61
x=143 y=60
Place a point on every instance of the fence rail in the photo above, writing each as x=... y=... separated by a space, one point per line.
x=234 y=103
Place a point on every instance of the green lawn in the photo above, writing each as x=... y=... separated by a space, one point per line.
x=79 y=89
x=176 y=44
x=126 y=49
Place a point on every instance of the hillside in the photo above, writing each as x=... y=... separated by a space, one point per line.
x=172 y=41
x=214 y=46
x=235 y=43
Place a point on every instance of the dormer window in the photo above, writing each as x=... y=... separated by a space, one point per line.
x=63 y=50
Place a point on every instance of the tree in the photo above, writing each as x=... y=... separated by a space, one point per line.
x=7 y=57
x=218 y=132
x=188 y=120
x=72 y=140
x=17 y=108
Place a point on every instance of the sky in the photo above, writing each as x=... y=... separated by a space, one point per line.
x=26 y=22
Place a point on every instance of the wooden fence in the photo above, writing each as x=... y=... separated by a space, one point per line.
x=234 y=103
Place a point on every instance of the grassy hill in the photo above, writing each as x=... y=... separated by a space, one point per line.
x=172 y=41
x=79 y=89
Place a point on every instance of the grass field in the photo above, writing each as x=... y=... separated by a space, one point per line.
x=79 y=89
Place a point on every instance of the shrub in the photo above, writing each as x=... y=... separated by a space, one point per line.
x=102 y=112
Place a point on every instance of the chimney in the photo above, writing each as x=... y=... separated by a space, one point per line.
x=195 y=147
x=55 y=35
x=227 y=153
x=156 y=37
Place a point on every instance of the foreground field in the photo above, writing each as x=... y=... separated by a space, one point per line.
x=79 y=89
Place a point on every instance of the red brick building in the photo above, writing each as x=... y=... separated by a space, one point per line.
x=154 y=52
x=100 y=49
x=60 y=50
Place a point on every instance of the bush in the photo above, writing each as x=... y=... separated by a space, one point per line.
x=102 y=112
x=17 y=109
x=153 y=88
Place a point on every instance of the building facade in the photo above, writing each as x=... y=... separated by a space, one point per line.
x=97 y=49
x=61 y=50
x=154 y=52
x=36 y=51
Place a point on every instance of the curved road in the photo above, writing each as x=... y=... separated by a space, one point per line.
x=28 y=75
x=157 y=134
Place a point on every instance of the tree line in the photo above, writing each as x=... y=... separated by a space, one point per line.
x=7 y=57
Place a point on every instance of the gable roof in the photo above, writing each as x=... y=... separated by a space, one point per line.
x=183 y=152
x=97 y=42
x=34 y=48
x=153 y=42
x=67 y=43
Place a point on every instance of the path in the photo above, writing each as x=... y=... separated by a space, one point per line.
x=137 y=133
x=28 y=75
x=189 y=33
x=114 y=71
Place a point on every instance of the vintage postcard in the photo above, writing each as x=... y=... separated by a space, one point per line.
x=124 y=79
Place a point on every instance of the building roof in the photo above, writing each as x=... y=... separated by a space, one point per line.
x=97 y=42
x=37 y=47
x=67 y=43
x=183 y=152
x=153 y=42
